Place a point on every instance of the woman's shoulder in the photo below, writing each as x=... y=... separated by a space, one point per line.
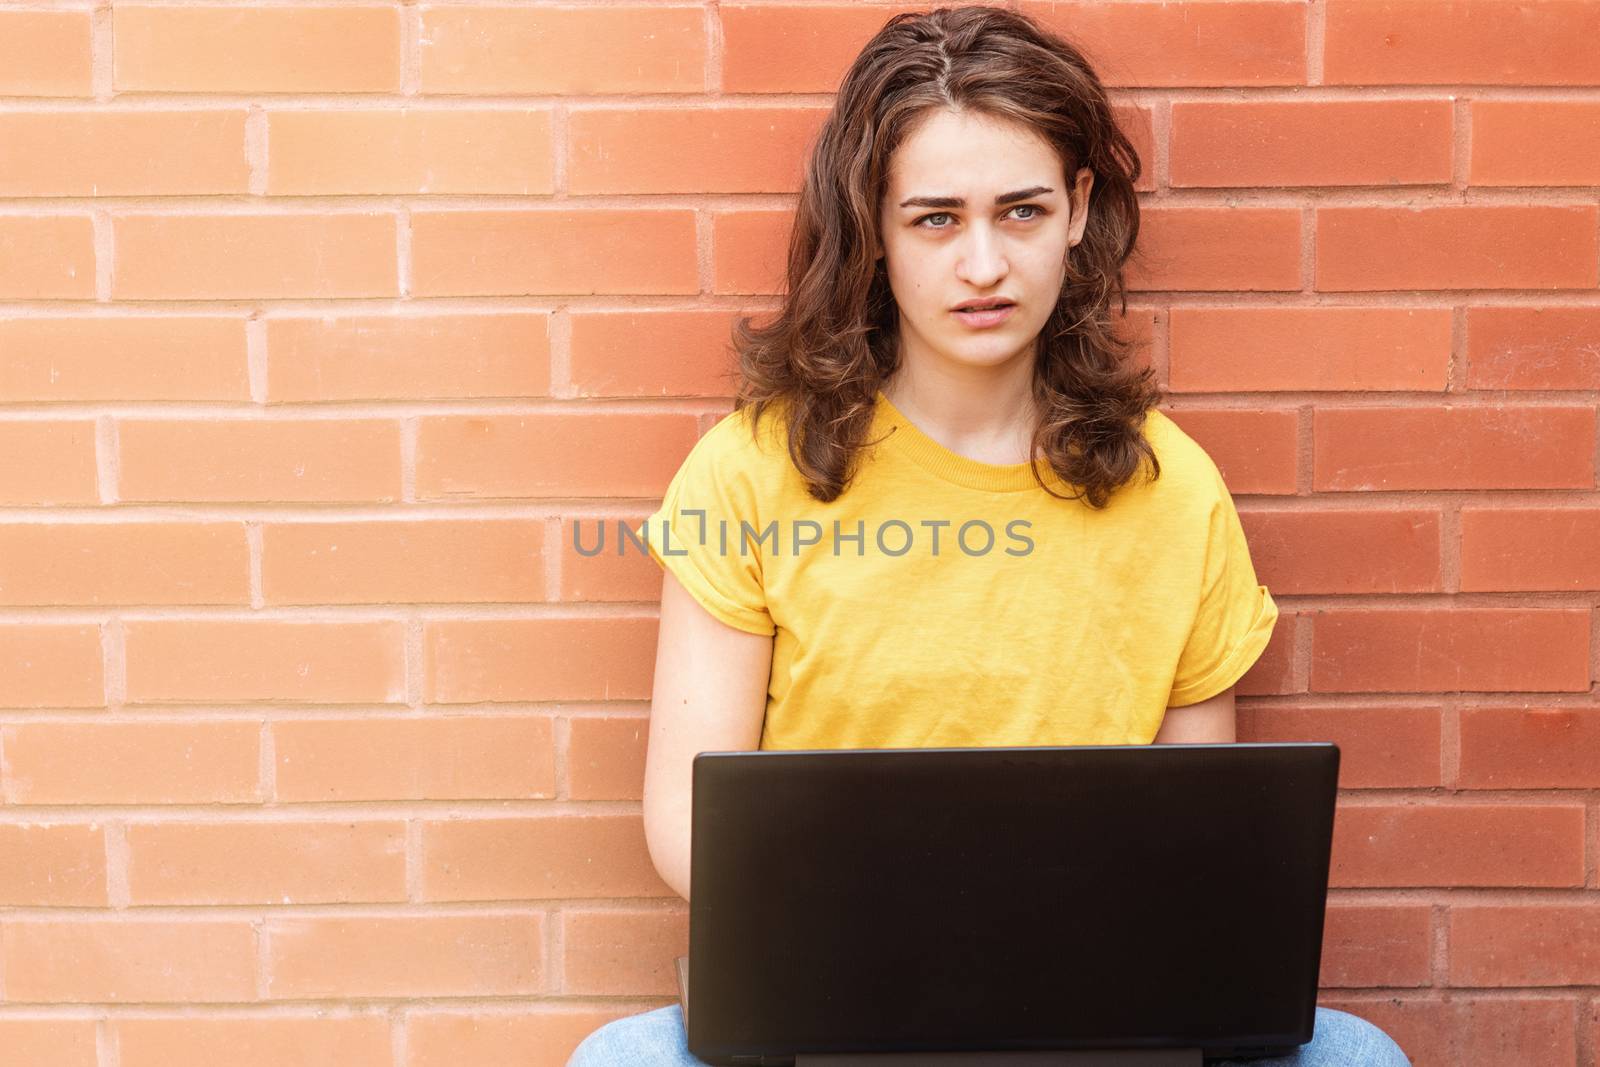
x=745 y=458
x=1186 y=467
x=741 y=439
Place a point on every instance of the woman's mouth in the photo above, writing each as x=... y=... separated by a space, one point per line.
x=989 y=316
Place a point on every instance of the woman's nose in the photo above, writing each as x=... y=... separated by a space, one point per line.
x=983 y=262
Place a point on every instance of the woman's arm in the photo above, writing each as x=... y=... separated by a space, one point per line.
x=710 y=695
x=1211 y=721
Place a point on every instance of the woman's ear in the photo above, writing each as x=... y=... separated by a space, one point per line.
x=1082 y=189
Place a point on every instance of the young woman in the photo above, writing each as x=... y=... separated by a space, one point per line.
x=945 y=511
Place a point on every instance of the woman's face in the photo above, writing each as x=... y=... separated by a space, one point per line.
x=946 y=240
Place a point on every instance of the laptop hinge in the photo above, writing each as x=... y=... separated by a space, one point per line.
x=1159 y=1057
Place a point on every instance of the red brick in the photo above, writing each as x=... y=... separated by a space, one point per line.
x=142 y=762
x=46 y=665
x=1529 y=748
x=749 y=250
x=408 y=356
x=233 y=257
x=49 y=1042
x=316 y=151
x=499 y=50
x=1533 y=348
x=1352 y=349
x=534 y=1037
x=690 y=150
x=1457 y=246
x=209 y=660
x=653 y=353
x=46 y=53
x=1362 y=551
x=123 y=152
x=277 y=460
x=124 y=357
x=48 y=461
x=1526 y=1032
x=46 y=257
x=1138 y=325
x=1450 y=650
x=1467 y=1030
x=476 y=661
x=129 y=960
x=1379 y=747
x=350 y=48
x=1206 y=248
x=323 y=861
x=1525 y=944
x=57 y=563
x=341 y=958
x=429 y=757
x=538 y=858
x=591 y=251
x=1257 y=451
x=776 y=48
x=598 y=454
x=1199 y=43
x=52 y=866
x=1535 y=142
x=605 y=756
x=1514 y=549
x=631 y=952
x=399 y=561
x=1377 y=945
x=1450 y=42
x=1454 y=844
x=317 y=1040
x=619 y=571
x=1274 y=673
x=1138 y=124
x=1340 y=142
x=1449 y=447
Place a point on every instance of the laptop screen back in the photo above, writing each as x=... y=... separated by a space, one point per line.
x=878 y=900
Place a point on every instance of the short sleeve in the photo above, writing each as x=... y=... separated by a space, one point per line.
x=1236 y=614
x=696 y=533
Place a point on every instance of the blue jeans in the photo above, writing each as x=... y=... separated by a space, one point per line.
x=657 y=1039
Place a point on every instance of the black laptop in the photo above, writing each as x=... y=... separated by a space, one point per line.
x=1124 y=905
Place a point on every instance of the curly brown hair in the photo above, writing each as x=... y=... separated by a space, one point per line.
x=833 y=343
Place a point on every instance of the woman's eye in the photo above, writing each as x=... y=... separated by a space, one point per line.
x=1037 y=212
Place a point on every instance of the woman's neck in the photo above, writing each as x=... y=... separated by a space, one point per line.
x=990 y=420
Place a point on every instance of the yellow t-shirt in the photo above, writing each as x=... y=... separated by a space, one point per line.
x=944 y=602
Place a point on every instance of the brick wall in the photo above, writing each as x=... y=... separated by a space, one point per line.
x=321 y=325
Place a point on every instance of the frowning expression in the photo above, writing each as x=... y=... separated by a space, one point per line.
x=977 y=209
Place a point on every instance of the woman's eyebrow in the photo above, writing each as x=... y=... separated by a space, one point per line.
x=956 y=201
